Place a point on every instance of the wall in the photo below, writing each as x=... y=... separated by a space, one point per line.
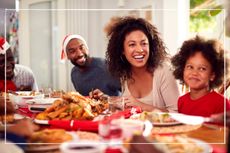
x=167 y=15
x=172 y=18
x=3 y=27
x=88 y=18
x=4 y=5
x=40 y=39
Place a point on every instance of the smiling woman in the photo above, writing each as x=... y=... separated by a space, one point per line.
x=137 y=55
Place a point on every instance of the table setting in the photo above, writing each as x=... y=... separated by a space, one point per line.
x=114 y=126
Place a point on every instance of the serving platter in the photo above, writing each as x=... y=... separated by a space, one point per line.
x=167 y=124
x=157 y=123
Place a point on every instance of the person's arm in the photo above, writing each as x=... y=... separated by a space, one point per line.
x=34 y=85
x=73 y=78
x=169 y=89
x=24 y=128
x=219 y=118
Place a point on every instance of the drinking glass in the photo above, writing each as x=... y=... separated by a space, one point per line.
x=47 y=92
x=116 y=103
x=110 y=130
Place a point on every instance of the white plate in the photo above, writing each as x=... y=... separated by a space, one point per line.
x=43 y=101
x=26 y=94
x=166 y=123
x=136 y=116
x=21 y=99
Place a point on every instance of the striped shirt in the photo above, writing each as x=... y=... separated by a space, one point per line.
x=23 y=76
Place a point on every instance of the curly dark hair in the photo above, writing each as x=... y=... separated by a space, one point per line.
x=117 y=63
x=212 y=50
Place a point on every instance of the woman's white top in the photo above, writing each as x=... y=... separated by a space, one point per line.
x=165 y=90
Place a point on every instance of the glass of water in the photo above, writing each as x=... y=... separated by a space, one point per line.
x=47 y=91
x=116 y=103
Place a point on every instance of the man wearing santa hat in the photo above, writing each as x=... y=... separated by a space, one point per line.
x=88 y=72
x=14 y=76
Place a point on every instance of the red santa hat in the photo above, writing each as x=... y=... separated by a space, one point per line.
x=4 y=45
x=66 y=41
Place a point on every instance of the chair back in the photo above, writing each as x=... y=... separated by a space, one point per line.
x=224 y=86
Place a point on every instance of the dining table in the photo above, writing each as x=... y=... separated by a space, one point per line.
x=214 y=135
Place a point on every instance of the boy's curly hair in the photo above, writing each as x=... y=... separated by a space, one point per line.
x=212 y=50
x=117 y=63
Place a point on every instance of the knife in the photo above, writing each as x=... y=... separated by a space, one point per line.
x=190 y=119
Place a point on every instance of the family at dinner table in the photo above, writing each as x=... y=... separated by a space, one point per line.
x=138 y=68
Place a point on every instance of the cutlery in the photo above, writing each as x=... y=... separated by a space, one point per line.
x=189 y=119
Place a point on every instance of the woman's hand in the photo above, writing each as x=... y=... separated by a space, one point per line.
x=97 y=94
x=131 y=101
